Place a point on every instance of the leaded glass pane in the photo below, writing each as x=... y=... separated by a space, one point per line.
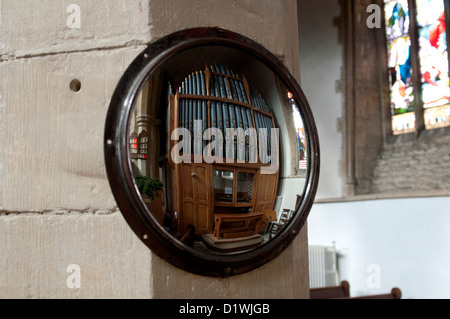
x=436 y=117
x=433 y=62
x=404 y=123
x=399 y=63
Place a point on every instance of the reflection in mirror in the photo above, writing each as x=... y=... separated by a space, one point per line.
x=218 y=150
x=245 y=182
x=223 y=186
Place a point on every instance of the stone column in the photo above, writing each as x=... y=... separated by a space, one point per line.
x=62 y=235
x=58 y=218
x=147 y=120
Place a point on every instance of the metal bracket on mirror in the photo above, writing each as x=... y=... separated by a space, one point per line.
x=204 y=210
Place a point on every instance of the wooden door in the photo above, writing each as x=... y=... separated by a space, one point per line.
x=266 y=189
x=195 y=197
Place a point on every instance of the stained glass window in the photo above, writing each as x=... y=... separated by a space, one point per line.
x=429 y=25
x=143 y=145
x=433 y=62
x=399 y=64
x=134 y=145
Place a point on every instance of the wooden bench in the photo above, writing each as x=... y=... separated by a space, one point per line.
x=236 y=225
x=395 y=293
x=343 y=292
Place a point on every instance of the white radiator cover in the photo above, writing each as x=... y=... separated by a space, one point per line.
x=323 y=270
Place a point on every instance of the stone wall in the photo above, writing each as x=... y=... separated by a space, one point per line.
x=366 y=88
x=415 y=166
x=56 y=207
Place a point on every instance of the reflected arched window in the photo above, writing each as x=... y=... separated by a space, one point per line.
x=300 y=130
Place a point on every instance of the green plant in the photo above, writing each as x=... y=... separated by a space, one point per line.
x=148 y=186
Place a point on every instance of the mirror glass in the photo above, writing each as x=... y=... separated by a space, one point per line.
x=211 y=152
x=218 y=150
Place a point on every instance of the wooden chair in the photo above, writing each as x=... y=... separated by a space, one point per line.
x=269 y=217
x=284 y=218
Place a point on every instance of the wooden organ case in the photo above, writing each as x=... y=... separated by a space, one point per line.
x=219 y=192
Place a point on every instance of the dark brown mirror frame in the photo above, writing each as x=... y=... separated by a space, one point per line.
x=118 y=163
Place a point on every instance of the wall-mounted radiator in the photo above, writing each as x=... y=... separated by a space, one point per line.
x=323 y=270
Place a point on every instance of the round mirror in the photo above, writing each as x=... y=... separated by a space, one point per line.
x=211 y=152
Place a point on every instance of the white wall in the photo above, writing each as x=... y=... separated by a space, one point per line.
x=321 y=61
x=290 y=188
x=406 y=239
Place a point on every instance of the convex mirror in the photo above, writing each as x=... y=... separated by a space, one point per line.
x=211 y=152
